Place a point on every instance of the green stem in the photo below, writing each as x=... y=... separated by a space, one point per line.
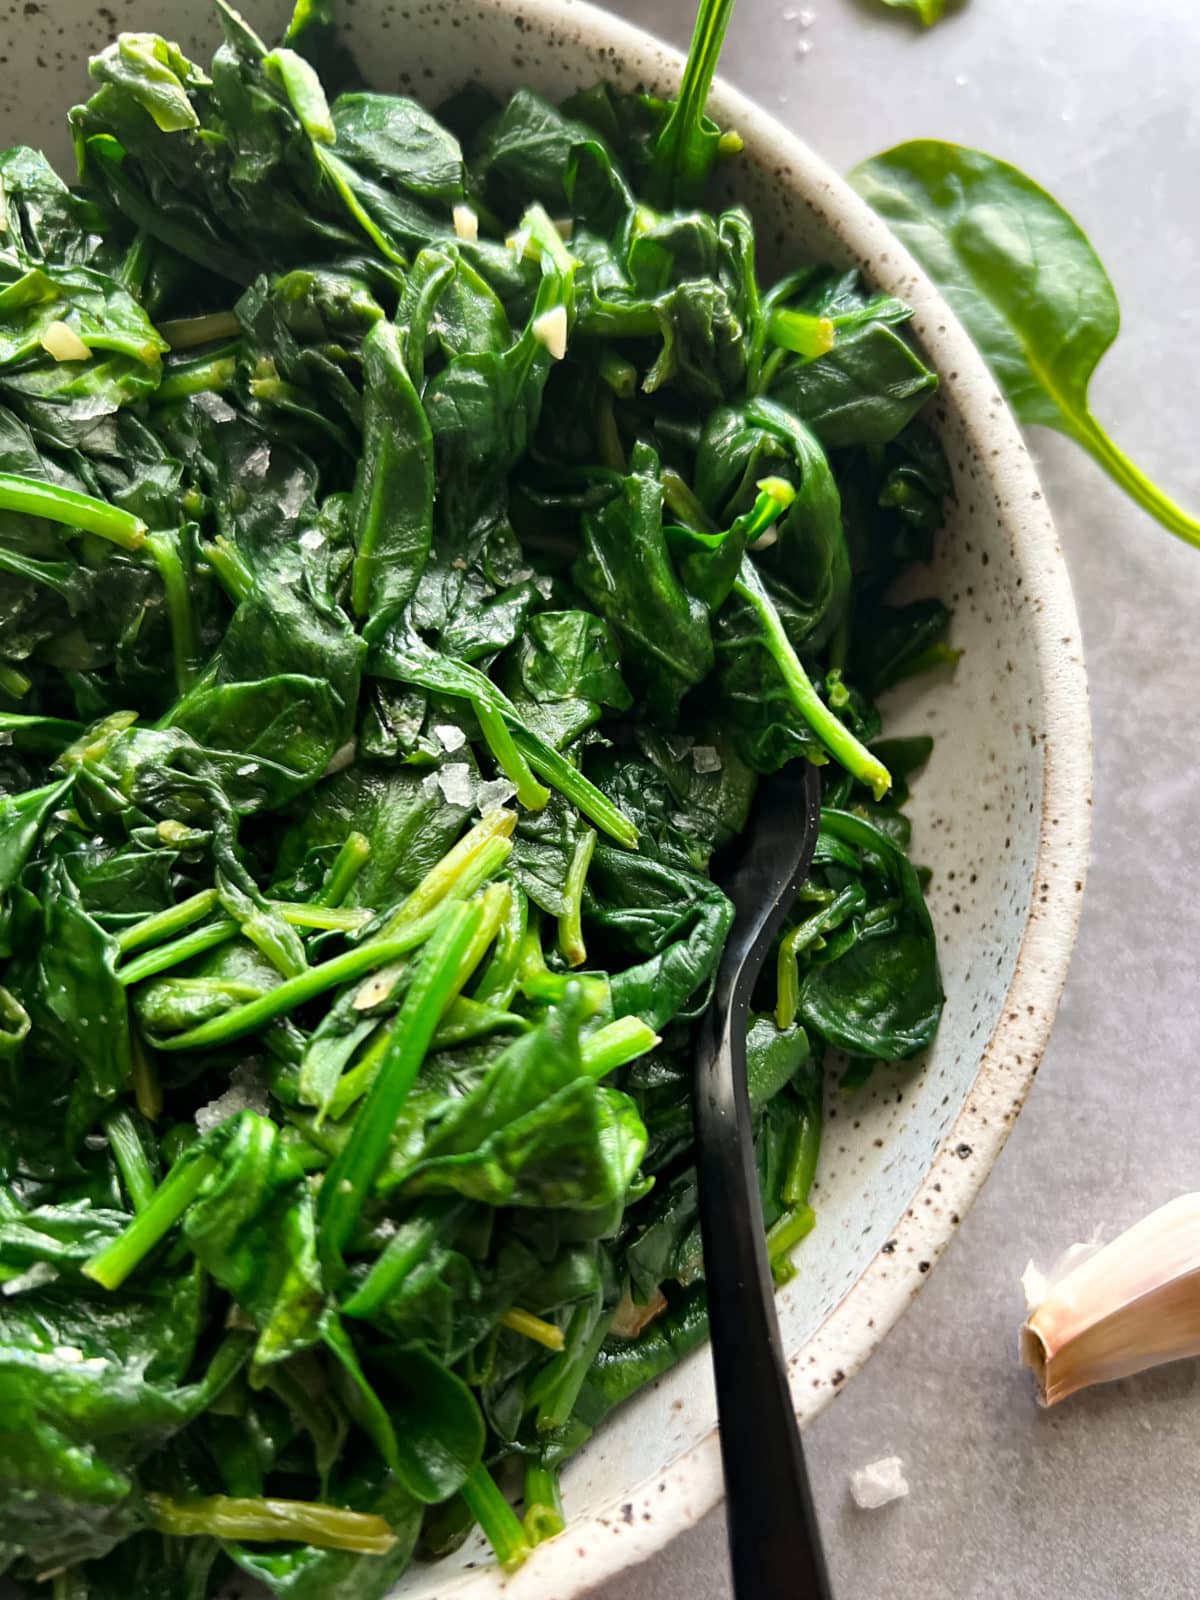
x=215 y=371
x=829 y=729
x=533 y=1327
x=620 y=375
x=130 y=1157
x=543 y=1517
x=347 y=864
x=802 y=1164
x=165 y=924
x=683 y=504
x=786 y=1233
x=500 y=1523
x=806 y=335
x=326 y=918
x=571 y=783
x=531 y=794
x=446 y=874
x=498 y=983
x=609 y=449
x=232 y=572
x=292 y=1521
x=353 y=1171
x=407 y=1248
x=570 y=924
x=112 y=1265
x=164 y=547
x=176 y=951
x=288 y=995
x=615 y=1045
x=14 y=683
x=147 y=1090
x=185 y=333
x=1140 y=489
x=674 y=172
x=832 y=915
x=34 y=498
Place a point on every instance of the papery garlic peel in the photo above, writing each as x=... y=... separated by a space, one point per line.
x=1134 y=1304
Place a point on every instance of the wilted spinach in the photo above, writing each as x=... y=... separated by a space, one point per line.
x=417 y=534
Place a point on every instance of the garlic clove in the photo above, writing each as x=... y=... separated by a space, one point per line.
x=1134 y=1304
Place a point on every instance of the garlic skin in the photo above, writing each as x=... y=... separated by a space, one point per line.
x=1134 y=1304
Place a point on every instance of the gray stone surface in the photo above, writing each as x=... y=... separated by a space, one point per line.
x=1097 y=1499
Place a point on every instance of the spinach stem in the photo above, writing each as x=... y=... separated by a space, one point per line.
x=543 y=1518
x=164 y=924
x=803 y=334
x=130 y=1157
x=232 y=573
x=500 y=1524
x=793 y=943
x=570 y=924
x=683 y=504
x=221 y=1516
x=354 y=1169
x=531 y=794
x=785 y=1234
x=533 y=1327
x=829 y=729
x=164 y=547
x=147 y=1090
x=443 y=877
x=571 y=783
x=34 y=498
x=620 y=375
x=176 y=951
x=615 y=1045
x=13 y=682
x=185 y=333
x=112 y=1265
x=1140 y=489
x=289 y=994
x=802 y=1163
x=404 y=1251
x=343 y=874
x=211 y=372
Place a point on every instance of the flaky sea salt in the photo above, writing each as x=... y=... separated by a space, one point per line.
x=310 y=539
x=706 y=758
x=449 y=737
x=212 y=404
x=457 y=784
x=247 y=1091
x=878 y=1483
x=489 y=796
x=259 y=459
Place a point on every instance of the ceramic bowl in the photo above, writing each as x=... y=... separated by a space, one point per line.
x=1000 y=813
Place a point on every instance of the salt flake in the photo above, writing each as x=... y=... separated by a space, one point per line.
x=247 y=1091
x=878 y=1483
x=706 y=758
x=456 y=783
x=449 y=737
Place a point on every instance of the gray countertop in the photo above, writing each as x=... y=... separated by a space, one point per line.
x=1095 y=1500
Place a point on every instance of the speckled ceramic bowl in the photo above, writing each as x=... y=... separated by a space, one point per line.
x=1001 y=812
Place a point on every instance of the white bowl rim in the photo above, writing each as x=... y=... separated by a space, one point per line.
x=683 y=1492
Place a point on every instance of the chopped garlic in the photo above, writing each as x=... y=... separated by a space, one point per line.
x=62 y=342
x=466 y=223
x=766 y=539
x=550 y=329
x=518 y=242
x=879 y=1483
x=1133 y=1304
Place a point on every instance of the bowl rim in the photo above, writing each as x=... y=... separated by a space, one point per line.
x=683 y=1492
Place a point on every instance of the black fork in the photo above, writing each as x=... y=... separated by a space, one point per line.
x=774 y=1542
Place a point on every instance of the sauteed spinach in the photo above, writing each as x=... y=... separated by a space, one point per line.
x=418 y=532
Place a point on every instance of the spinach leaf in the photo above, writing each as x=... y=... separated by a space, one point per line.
x=983 y=231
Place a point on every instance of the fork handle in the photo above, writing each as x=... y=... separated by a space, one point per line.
x=774 y=1540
